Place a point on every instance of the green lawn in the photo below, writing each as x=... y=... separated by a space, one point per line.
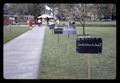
x=13 y=31
x=94 y=23
x=60 y=61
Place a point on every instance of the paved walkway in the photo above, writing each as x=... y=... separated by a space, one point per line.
x=22 y=55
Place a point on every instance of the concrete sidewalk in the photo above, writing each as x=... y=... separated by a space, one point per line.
x=22 y=55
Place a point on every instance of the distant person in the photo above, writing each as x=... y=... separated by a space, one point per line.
x=57 y=22
x=39 y=22
x=16 y=22
x=47 y=21
x=35 y=22
x=69 y=23
x=73 y=24
x=30 y=23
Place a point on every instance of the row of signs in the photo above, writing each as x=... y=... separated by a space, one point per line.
x=84 y=44
x=65 y=31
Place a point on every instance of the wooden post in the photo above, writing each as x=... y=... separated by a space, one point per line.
x=83 y=29
x=89 y=68
x=58 y=38
x=68 y=35
x=10 y=28
x=68 y=47
x=52 y=31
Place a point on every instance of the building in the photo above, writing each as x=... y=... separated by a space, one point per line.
x=13 y=19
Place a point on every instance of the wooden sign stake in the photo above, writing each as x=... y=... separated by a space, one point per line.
x=58 y=38
x=68 y=47
x=68 y=35
x=10 y=28
x=52 y=31
x=89 y=69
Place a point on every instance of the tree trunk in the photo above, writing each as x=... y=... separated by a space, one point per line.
x=83 y=25
x=83 y=29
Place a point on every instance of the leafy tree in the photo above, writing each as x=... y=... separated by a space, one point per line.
x=32 y=9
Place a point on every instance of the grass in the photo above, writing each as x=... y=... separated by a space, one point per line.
x=60 y=61
x=13 y=31
x=94 y=23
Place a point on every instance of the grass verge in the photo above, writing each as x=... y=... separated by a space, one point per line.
x=12 y=31
x=60 y=61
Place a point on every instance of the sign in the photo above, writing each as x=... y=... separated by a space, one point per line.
x=58 y=31
x=69 y=30
x=89 y=45
x=52 y=26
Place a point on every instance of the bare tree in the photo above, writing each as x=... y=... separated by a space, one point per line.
x=80 y=13
x=72 y=11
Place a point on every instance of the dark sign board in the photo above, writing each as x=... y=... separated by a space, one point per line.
x=52 y=26
x=69 y=30
x=89 y=45
x=58 y=31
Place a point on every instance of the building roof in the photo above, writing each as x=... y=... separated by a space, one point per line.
x=45 y=16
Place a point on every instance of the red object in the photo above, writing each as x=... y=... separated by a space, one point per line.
x=30 y=23
x=7 y=21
